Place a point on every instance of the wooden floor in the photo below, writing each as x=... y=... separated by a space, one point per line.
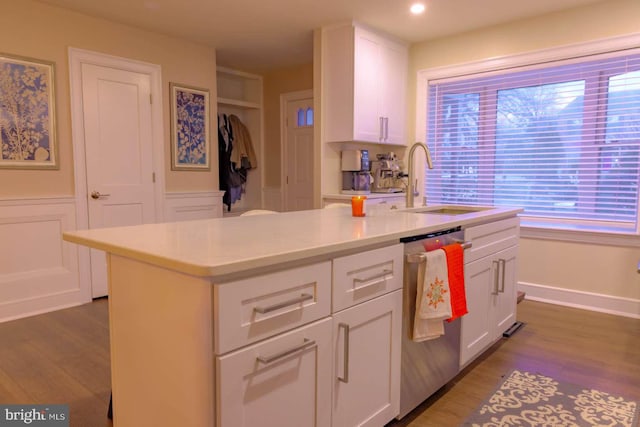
x=63 y=357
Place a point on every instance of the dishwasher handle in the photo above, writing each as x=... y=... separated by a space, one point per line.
x=419 y=257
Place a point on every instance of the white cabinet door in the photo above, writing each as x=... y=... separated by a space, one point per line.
x=380 y=88
x=367 y=116
x=393 y=92
x=504 y=304
x=282 y=381
x=476 y=331
x=490 y=283
x=366 y=345
x=364 y=86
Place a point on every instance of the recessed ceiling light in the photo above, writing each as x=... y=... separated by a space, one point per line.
x=417 y=8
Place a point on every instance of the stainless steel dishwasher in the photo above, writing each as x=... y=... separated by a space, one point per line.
x=425 y=366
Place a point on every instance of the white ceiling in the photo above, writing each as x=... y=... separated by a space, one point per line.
x=259 y=35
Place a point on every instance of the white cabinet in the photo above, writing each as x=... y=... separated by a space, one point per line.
x=367 y=323
x=476 y=334
x=364 y=89
x=366 y=380
x=363 y=276
x=490 y=282
x=277 y=343
x=280 y=382
x=259 y=307
x=506 y=296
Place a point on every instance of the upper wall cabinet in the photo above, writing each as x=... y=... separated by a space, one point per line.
x=364 y=79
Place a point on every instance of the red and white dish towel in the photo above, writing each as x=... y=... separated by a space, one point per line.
x=440 y=293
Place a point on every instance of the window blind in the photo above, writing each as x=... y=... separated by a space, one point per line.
x=561 y=140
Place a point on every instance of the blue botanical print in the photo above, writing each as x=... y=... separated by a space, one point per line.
x=190 y=128
x=24 y=112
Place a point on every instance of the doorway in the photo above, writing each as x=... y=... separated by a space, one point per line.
x=118 y=149
x=297 y=148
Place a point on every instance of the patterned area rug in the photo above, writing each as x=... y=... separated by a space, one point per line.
x=525 y=399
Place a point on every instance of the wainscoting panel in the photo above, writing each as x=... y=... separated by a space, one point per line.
x=193 y=205
x=38 y=270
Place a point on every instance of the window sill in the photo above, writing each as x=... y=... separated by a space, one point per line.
x=579 y=233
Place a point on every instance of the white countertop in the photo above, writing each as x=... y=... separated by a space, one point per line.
x=225 y=246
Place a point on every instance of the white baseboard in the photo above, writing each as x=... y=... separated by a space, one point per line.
x=193 y=205
x=619 y=306
x=38 y=270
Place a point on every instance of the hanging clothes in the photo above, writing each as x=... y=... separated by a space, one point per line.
x=242 y=154
x=235 y=157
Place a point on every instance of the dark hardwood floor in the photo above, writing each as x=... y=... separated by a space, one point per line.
x=63 y=357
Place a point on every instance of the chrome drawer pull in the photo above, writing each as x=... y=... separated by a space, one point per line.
x=283 y=304
x=496 y=275
x=269 y=359
x=345 y=377
x=502 y=262
x=381 y=276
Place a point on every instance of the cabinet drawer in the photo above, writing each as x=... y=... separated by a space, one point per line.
x=283 y=381
x=490 y=238
x=252 y=309
x=366 y=275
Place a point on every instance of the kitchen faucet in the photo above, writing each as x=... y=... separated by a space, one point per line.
x=410 y=185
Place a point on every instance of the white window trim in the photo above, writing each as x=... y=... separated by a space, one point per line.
x=565 y=52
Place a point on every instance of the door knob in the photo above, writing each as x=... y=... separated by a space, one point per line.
x=96 y=195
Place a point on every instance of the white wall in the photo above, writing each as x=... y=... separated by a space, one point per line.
x=38 y=271
x=600 y=275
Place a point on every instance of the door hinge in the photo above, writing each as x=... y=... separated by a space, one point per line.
x=150 y=99
x=287 y=179
x=153 y=177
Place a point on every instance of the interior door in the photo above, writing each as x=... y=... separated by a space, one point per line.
x=298 y=148
x=119 y=154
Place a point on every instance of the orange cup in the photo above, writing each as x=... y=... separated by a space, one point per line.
x=357 y=205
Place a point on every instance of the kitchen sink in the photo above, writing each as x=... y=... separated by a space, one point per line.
x=448 y=210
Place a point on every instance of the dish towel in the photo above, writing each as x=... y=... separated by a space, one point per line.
x=433 y=302
x=455 y=267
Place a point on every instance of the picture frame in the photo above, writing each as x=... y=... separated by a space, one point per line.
x=28 y=136
x=190 y=141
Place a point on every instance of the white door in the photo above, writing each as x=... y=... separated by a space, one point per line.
x=119 y=154
x=298 y=154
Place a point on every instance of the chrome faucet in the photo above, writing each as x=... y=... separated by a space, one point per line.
x=410 y=185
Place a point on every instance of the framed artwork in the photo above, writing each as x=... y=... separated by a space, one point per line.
x=189 y=128
x=27 y=114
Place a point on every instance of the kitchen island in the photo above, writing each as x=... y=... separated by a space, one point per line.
x=229 y=321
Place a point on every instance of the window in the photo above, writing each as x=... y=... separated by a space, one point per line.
x=305 y=117
x=561 y=140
